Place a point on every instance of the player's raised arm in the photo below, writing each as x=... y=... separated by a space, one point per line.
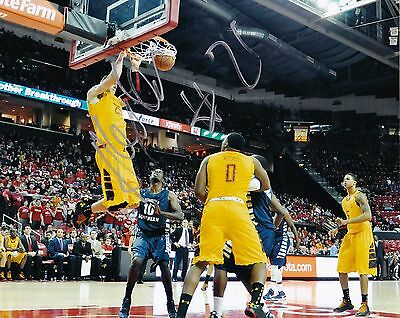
x=283 y=213
x=111 y=79
x=261 y=175
x=200 y=185
x=177 y=214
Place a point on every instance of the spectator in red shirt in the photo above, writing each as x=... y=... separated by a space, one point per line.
x=23 y=214
x=126 y=236
x=47 y=216
x=17 y=199
x=31 y=189
x=108 y=221
x=119 y=220
x=17 y=182
x=108 y=246
x=7 y=195
x=36 y=216
x=81 y=174
x=45 y=200
x=58 y=216
x=7 y=199
x=107 y=260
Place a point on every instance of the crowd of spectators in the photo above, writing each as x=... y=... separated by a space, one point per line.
x=57 y=255
x=28 y=62
x=41 y=181
x=372 y=159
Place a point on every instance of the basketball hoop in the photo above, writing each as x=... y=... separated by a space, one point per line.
x=161 y=50
x=155 y=46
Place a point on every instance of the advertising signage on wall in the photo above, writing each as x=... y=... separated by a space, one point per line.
x=38 y=94
x=54 y=98
x=173 y=125
x=213 y=135
x=144 y=119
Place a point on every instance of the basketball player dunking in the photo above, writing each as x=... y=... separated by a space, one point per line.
x=222 y=183
x=118 y=179
x=357 y=252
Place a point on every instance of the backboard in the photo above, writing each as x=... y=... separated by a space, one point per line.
x=136 y=21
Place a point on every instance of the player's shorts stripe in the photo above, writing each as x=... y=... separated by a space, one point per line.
x=282 y=250
x=167 y=243
x=372 y=257
x=108 y=185
x=109 y=195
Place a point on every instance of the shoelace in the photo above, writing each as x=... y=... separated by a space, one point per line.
x=363 y=308
x=343 y=304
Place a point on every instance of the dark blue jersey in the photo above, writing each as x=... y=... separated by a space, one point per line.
x=260 y=209
x=150 y=224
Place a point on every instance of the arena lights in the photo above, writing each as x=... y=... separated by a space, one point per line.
x=337 y=7
x=329 y=8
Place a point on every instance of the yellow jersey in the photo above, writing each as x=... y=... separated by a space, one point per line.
x=108 y=121
x=352 y=210
x=229 y=174
x=12 y=243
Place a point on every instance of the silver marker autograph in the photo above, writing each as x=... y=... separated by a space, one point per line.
x=209 y=53
x=213 y=118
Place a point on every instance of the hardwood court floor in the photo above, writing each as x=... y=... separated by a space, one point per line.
x=96 y=299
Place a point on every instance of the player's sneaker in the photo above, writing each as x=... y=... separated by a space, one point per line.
x=171 y=309
x=204 y=287
x=125 y=308
x=214 y=314
x=2 y=277
x=363 y=311
x=153 y=267
x=21 y=276
x=83 y=212
x=280 y=297
x=268 y=296
x=9 y=276
x=256 y=311
x=345 y=305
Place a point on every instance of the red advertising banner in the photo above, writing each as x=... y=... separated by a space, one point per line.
x=173 y=125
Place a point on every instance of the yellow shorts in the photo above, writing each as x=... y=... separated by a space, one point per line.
x=3 y=259
x=223 y=221
x=15 y=259
x=357 y=254
x=118 y=178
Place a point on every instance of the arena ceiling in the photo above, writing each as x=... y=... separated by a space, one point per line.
x=299 y=51
x=301 y=54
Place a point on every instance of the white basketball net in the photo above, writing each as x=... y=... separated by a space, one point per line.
x=155 y=46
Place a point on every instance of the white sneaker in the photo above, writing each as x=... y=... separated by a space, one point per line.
x=214 y=314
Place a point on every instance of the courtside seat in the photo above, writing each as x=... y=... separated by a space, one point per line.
x=47 y=264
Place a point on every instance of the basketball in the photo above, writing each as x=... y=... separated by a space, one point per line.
x=164 y=63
